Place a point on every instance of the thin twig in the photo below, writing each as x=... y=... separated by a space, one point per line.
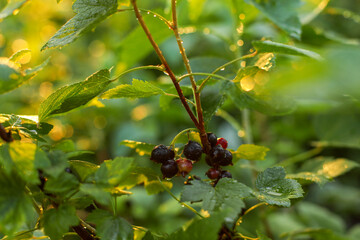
x=167 y=22
x=164 y=62
x=178 y=200
x=201 y=127
x=202 y=74
x=202 y=85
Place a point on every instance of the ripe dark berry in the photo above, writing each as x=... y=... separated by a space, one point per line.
x=217 y=154
x=209 y=160
x=169 y=169
x=226 y=174
x=68 y=170
x=212 y=139
x=222 y=142
x=161 y=154
x=227 y=160
x=213 y=173
x=185 y=166
x=193 y=150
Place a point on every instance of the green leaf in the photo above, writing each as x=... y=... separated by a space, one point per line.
x=275 y=189
x=12 y=77
x=251 y=152
x=75 y=95
x=354 y=232
x=140 y=147
x=228 y=193
x=165 y=100
x=58 y=163
x=211 y=100
x=195 y=8
x=274 y=47
x=83 y=169
x=264 y=102
x=129 y=52
x=281 y=12
x=97 y=193
x=148 y=177
x=138 y=89
x=27 y=160
x=262 y=236
x=317 y=217
x=109 y=226
x=64 y=183
x=11 y=7
x=89 y=14
x=322 y=170
x=112 y=172
x=309 y=176
x=27 y=123
x=19 y=55
x=207 y=228
x=3 y=3
x=58 y=221
x=15 y=206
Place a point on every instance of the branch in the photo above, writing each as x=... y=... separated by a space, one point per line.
x=164 y=62
x=203 y=136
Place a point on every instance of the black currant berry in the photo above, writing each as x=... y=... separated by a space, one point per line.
x=209 y=160
x=213 y=173
x=193 y=150
x=68 y=170
x=169 y=168
x=225 y=174
x=227 y=160
x=185 y=166
x=222 y=142
x=161 y=154
x=212 y=139
x=217 y=154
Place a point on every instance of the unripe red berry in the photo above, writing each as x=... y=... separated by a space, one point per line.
x=213 y=173
x=185 y=166
x=222 y=142
x=169 y=169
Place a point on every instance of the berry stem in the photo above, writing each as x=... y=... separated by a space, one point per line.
x=165 y=63
x=179 y=134
x=201 y=127
x=178 y=200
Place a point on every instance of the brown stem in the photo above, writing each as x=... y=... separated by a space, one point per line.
x=164 y=62
x=83 y=233
x=200 y=116
x=6 y=136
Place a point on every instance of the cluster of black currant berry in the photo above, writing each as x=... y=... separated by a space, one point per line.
x=218 y=156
